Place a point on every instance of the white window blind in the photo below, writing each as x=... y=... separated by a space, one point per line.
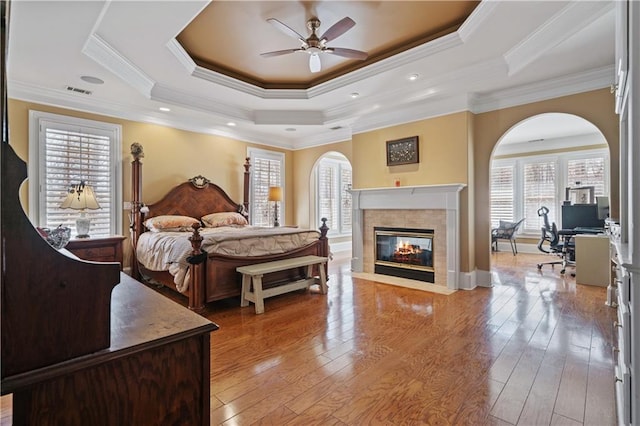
x=334 y=178
x=346 y=202
x=587 y=172
x=502 y=200
x=267 y=169
x=67 y=152
x=539 y=190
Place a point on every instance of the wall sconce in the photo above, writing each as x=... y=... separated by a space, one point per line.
x=275 y=195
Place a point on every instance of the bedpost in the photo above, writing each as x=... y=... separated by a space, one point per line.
x=197 y=271
x=323 y=237
x=247 y=165
x=135 y=217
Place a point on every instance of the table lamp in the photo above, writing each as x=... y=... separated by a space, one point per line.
x=275 y=195
x=81 y=197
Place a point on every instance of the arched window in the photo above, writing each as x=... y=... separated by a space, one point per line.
x=333 y=180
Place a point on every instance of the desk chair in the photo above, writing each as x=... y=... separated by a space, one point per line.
x=557 y=242
x=506 y=231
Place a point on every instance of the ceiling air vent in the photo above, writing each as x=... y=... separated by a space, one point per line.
x=335 y=128
x=78 y=90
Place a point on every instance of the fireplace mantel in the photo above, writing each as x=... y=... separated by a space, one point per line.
x=423 y=197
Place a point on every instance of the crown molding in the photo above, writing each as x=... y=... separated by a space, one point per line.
x=446 y=42
x=83 y=103
x=477 y=18
x=411 y=112
x=540 y=91
x=570 y=20
x=105 y=55
x=215 y=106
x=289 y=117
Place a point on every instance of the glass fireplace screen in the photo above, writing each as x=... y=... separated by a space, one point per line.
x=404 y=248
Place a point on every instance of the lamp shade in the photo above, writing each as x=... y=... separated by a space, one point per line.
x=80 y=197
x=275 y=193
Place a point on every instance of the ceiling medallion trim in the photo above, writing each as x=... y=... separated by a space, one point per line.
x=105 y=55
x=554 y=31
x=425 y=50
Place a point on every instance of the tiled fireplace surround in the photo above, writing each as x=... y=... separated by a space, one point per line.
x=434 y=207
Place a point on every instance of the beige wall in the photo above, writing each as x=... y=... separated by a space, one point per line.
x=171 y=156
x=455 y=148
x=596 y=106
x=445 y=148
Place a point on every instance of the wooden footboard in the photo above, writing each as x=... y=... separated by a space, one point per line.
x=214 y=277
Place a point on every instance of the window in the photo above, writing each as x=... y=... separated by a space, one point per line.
x=334 y=200
x=520 y=186
x=64 y=151
x=267 y=169
x=502 y=203
x=539 y=190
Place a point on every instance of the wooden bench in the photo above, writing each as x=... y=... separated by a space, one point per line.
x=252 y=279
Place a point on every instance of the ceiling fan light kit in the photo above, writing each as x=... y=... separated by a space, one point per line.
x=314 y=45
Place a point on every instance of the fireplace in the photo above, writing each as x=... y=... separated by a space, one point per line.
x=404 y=252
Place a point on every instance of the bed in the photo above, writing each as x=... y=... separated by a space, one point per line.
x=200 y=261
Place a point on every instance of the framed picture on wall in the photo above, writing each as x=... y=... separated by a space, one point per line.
x=580 y=195
x=402 y=151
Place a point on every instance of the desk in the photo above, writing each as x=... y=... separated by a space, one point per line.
x=156 y=370
x=592 y=259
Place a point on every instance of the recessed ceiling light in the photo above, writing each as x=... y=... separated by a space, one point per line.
x=231 y=124
x=164 y=109
x=290 y=129
x=92 y=80
x=414 y=77
x=355 y=95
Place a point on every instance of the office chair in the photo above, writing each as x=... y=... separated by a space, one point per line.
x=506 y=231
x=559 y=243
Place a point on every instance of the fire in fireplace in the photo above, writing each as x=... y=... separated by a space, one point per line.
x=404 y=252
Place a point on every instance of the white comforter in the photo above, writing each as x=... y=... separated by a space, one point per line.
x=168 y=251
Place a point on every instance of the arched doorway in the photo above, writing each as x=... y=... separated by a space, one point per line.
x=534 y=163
x=331 y=178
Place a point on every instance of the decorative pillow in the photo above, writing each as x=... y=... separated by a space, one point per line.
x=213 y=220
x=170 y=223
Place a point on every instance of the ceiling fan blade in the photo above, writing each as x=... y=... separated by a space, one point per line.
x=347 y=53
x=314 y=63
x=279 y=52
x=286 y=29
x=337 y=29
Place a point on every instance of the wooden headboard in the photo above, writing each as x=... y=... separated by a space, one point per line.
x=195 y=198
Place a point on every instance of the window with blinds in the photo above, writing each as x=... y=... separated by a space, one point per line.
x=267 y=169
x=66 y=152
x=520 y=186
x=334 y=179
x=588 y=172
x=502 y=191
x=539 y=179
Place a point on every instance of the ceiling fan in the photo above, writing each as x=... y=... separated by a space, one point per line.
x=314 y=45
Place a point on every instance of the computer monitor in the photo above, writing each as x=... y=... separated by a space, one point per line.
x=581 y=216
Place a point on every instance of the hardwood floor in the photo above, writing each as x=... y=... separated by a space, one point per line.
x=533 y=350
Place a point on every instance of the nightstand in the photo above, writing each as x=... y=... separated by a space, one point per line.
x=98 y=249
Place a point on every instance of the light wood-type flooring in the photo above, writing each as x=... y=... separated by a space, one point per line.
x=535 y=349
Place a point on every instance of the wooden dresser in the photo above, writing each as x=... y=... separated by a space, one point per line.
x=156 y=370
